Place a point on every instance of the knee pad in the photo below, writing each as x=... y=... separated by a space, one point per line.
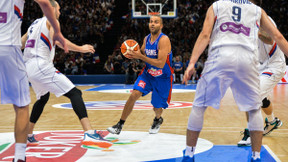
x=265 y=103
x=38 y=108
x=74 y=91
x=75 y=96
x=255 y=122
x=196 y=118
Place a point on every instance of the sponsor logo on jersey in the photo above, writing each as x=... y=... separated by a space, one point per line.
x=142 y=84
x=235 y=28
x=155 y=72
x=3 y=17
x=30 y=43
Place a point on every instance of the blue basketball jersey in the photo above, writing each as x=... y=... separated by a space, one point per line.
x=151 y=51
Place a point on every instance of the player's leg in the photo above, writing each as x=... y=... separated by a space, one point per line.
x=116 y=129
x=255 y=126
x=271 y=122
x=195 y=124
x=267 y=83
x=91 y=137
x=21 y=131
x=141 y=88
x=161 y=96
x=15 y=90
x=75 y=96
x=35 y=115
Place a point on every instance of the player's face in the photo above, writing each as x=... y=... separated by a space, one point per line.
x=155 y=24
x=57 y=11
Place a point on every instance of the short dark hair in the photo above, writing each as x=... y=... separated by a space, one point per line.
x=158 y=15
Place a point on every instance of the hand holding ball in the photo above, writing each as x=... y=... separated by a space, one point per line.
x=129 y=44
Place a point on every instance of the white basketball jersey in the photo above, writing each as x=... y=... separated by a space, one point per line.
x=236 y=24
x=271 y=56
x=39 y=43
x=11 y=15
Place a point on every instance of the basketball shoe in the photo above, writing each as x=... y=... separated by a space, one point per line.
x=246 y=140
x=115 y=129
x=31 y=141
x=187 y=158
x=270 y=126
x=156 y=125
x=96 y=139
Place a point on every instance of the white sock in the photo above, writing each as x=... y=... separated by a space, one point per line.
x=189 y=151
x=20 y=149
x=30 y=135
x=90 y=131
x=270 y=117
x=255 y=155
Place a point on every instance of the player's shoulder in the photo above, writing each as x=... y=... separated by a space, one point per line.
x=164 y=37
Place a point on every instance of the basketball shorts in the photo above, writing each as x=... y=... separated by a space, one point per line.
x=46 y=79
x=13 y=77
x=269 y=78
x=161 y=89
x=233 y=67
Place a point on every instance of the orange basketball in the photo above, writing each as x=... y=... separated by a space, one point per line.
x=129 y=44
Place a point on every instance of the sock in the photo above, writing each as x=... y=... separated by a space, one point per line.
x=122 y=121
x=90 y=131
x=255 y=155
x=189 y=151
x=270 y=117
x=20 y=149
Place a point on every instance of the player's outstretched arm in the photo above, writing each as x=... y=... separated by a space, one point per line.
x=49 y=13
x=23 y=40
x=164 y=49
x=201 y=43
x=71 y=46
x=274 y=33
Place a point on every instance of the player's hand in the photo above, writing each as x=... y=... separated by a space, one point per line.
x=87 y=48
x=59 y=37
x=131 y=54
x=188 y=73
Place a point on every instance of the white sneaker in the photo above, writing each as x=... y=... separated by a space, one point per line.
x=246 y=140
x=96 y=139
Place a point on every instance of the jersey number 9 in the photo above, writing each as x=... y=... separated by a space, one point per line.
x=236 y=11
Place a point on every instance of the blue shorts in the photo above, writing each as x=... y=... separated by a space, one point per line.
x=161 y=89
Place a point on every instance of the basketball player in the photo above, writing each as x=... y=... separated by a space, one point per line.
x=272 y=69
x=13 y=83
x=156 y=76
x=230 y=30
x=44 y=77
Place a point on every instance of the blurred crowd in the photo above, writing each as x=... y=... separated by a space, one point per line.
x=86 y=21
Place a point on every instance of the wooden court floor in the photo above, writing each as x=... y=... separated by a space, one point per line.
x=222 y=127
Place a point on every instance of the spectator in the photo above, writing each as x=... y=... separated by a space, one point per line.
x=178 y=70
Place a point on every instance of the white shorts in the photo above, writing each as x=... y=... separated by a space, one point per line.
x=233 y=67
x=48 y=80
x=13 y=83
x=269 y=78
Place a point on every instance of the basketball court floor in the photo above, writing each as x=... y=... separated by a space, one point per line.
x=59 y=130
